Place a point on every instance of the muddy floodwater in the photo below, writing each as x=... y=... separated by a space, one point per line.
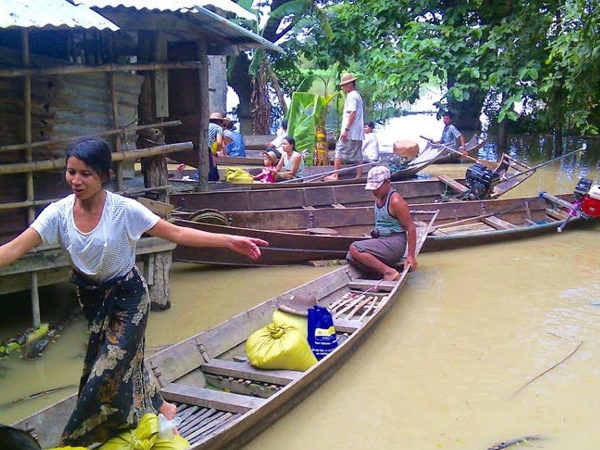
x=450 y=366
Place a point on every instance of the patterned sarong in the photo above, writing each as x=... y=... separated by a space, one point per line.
x=115 y=390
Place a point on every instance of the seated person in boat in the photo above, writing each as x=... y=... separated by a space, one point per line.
x=291 y=164
x=267 y=174
x=450 y=133
x=98 y=232
x=236 y=147
x=394 y=232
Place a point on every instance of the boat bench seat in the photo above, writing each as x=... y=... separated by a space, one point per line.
x=363 y=285
x=210 y=398
x=452 y=183
x=498 y=223
x=246 y=371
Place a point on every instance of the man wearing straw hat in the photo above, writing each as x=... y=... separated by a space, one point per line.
x=349 y=145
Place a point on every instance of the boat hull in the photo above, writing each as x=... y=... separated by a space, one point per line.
x=300 y=236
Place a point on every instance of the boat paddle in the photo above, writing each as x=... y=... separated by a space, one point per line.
x=534 y=168
x=324 y=174
x=488 y=164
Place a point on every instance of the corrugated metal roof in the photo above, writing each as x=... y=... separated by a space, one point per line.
x=228 y=30
x=172 y=5
x=50 y=14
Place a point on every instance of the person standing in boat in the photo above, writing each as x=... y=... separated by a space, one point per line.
x=349 y=145
x=450 y=133
x=98 y=231
x=394 y=233
x=291 y=164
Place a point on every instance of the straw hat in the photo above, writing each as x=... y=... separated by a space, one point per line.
x=216 y=117
x=347 y=78
x=273 y=155
x=298 y=304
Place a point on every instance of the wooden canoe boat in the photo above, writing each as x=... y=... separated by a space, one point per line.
x=298 y=236
x=242 y=400
x=428 y=190
x=313 y=175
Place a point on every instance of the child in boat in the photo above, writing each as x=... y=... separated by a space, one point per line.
x=267 y=174
x=98 y=231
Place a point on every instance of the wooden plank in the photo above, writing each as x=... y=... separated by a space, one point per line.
x=452 y=183
x=53 y=257
x=346 y=326
x=498 y=223
x=338 y=206
x=358 y=307
x=556 y=214
x=209 y=398
x=246 y=371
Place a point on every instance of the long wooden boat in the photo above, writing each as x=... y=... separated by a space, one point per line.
x=222 y=400
x=424 y=190
x=314 y=175
x=298 y=236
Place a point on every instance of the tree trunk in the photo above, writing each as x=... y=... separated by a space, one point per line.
x=241 y=83
x=261 y=106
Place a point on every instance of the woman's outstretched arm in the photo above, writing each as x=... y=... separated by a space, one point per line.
x=13 y=250
x=197 y=238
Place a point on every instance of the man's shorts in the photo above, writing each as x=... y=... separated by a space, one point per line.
x=388 y=249
x=349 y=150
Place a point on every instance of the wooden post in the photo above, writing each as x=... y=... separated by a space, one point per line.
x=203 y=103
x=34 y=294
x=115 y=113
x=155 y=168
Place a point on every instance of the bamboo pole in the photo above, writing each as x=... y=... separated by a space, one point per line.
x=50 y=164
x=115 y=113
x=123 y=130
x=68 y=70
x=126 y=192
x=33 y=287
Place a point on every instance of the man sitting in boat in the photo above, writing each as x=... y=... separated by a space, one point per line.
x=394 y=231
x=450 y=134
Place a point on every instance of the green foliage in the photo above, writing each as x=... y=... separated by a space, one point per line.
x=307 y=112
x=544 y=54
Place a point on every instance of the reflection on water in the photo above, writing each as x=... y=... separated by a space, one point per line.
x=443 y=369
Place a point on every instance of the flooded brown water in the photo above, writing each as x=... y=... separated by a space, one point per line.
x=444 y=369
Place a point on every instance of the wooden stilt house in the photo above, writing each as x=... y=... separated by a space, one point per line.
x=120 y=69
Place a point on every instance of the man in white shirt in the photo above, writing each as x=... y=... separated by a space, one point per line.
x=349 y=145
x=370 y=146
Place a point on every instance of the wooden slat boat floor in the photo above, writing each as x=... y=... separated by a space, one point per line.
x=225 y=401
x=202 y=422
x=247 y=372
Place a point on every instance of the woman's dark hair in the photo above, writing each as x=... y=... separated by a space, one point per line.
x=94 y=152
x=370 y=124
x=292 y=141
x=284 y=124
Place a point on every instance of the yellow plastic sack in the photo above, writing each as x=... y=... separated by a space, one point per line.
x=279 y=346
x=145 y=437
x=68 y=448
x=237 y=175
x=300 y=322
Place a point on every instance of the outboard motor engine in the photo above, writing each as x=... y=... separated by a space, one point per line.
x=587 y=197
x=481 y=180
x=587 y=202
